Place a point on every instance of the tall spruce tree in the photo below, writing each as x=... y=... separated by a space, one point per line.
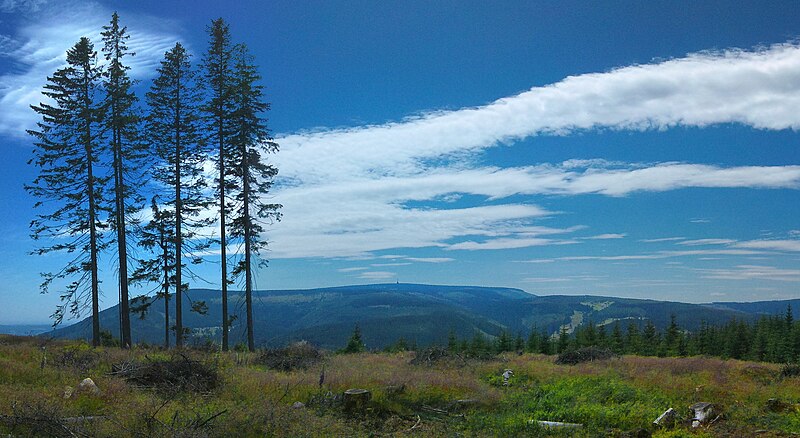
x=217 y=68
x=173 y=131
x=66 y=151
x=122 y=122
x=158 y=237
x=250 y=143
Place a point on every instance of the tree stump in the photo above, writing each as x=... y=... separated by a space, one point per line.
x=355 y=400
x=704 y=412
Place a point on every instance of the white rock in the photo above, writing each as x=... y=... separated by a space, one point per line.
x=87 y=385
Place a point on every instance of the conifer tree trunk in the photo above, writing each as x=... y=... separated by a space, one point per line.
x=122 y=121
x=166 y=289
x=68 y=184
x=122 y=246
x=222 y=238
x=248 y=234
x=217 y=67
x=93 y=239
x=178 y=214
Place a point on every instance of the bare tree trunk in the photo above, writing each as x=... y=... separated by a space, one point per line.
x=248 y=275
x=92 y=239
x=166 y=292
x=222 y=238
x=178 y=237
x=122 y=246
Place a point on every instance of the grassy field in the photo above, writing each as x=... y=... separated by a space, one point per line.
x=449 y=397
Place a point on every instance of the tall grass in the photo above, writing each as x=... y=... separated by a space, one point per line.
x=455 y=398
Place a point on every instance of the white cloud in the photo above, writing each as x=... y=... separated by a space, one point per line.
x=354 y=269
x=507 y=243
x=21 y=6
x=377 y=275
x=606 y=236
x=545 y=280
x=651 y=256
x=662 y=239
x=39 y=48
x=776 y=245
x=346 y=216
x=703 y=242
x=752 y=272
x=430 y=259
x=757 y=88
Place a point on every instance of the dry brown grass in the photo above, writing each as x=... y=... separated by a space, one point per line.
x=609 y=396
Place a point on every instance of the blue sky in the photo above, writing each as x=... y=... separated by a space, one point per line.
x=637 y=149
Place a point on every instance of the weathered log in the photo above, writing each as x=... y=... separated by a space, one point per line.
x=355 y=400
x=558 y=425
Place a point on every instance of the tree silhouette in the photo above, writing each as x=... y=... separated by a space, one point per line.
x=66 y=151
x=174 y=135
x=252 y=175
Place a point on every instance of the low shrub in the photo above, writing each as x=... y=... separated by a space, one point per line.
x=177 y=374
x=431 y=355
x=581 y=355
x=41 y=418
x=299 y=355
x=78 y=358
x=790 y=370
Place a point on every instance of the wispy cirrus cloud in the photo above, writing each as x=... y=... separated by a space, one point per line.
x=703 y=242
x=377 y=275
x=662 y=239
x=430 y=259
x=607 y=236
x=21 y=6
x=650 y=256
x=38 y=48
x=792 y=245
x=377 y=217
x=752 y=272
x=353 y=269
x=508 y=243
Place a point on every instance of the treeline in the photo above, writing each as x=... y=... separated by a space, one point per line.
x=768 y=339
x=117 y=173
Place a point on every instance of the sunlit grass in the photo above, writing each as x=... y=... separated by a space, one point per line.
x=453 y=397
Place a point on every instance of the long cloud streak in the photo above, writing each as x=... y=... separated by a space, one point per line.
x=347 y=190
x=756 y=88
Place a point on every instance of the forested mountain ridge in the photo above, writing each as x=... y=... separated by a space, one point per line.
x=418 y=313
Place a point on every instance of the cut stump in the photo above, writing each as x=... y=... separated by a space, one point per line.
x=355 y=400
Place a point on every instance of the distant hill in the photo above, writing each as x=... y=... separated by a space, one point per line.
x=25 y=329
x=762 y=307
x=419 y=313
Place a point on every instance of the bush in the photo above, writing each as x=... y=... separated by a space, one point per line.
x=79 y=358
x=300 y=355
x=790 y=370
x=39 y=418
x=177 y=374
x=431 y=356
x=588 y=354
